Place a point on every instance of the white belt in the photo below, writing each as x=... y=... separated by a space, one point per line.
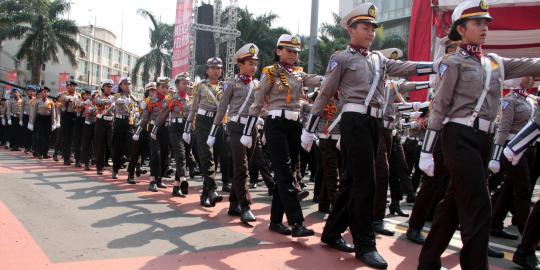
x=334 y=137
x=108 y=118
x=483 y=125
x=153 y=122
x=25 y=113
x=178 y=120
x=290 y=115
x=88 y=122
x=360 y=108
x=206 y=113
x=243 y=120
x=119 y=116
x=394 y=132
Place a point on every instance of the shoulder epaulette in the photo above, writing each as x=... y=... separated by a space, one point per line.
x=269 y=70
x=298 y=69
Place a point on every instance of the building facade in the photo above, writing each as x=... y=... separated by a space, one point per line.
x=102 y=60
x=394 y=15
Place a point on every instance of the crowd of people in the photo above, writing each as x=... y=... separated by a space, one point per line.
x=466 y=158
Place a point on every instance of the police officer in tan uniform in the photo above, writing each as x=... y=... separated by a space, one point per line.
x=516 y=112
x=125 y=104
x=14 y=119
x=41 y=120
x=78 y=125
x=154 y=116
x=238 y=95
x=178 y=112
x=104 y=124
x=68 y=104
x=26 y=107
x=88 y=132
x=206 y=96
x=140 y=136
x=463 y=113
x=282 y=85
x=357 y=76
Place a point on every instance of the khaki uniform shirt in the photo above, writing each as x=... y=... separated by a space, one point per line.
x=203 y=98
x=235 y=93
x=40 y=107
x=14 y=108
x=516 y=111
x=69 y=102
x=27 y=104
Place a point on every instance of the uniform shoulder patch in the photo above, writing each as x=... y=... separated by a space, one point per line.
x=332 y=64
x=443 y=67
x=505 y=104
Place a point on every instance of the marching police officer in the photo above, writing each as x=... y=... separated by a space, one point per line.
x=68 y=104
x=358 y=74
x=236 y=100
x=13 y=115
x=78 y=125
x=42 y=119
x=463 y=113
x=27 y=102
x=282 y=85
x=104 y=124
x=125 y=103
x=88 y=132
x=206 y=96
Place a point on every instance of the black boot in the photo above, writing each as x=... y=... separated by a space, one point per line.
x=378 y=227
x=395 y=208
x=525 y=259
x=205 y=202
x=495 y=253
x=299 y=230
x=234 y=210
x=247 y=215
x=55 y=156
x=184 y=187
x=176 y=192
x=214 y=197
x=114 y=174
x=279 y=228
x=226 y=187
x=130 y=179
x=87 y=166
x=373 y=259
x=411 y=197
x=159 y=183
x=78 y=164
x=152 y=187
x=415 y=236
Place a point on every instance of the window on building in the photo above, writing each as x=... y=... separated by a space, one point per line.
x=83 y=70
x=97 y=52
x=106 y=72
x=127 y=60
x=84 y=42
x=43 y=67
x=96 y=76
x=106 y=55
x=116 y=59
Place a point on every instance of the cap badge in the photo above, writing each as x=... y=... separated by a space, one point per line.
x=484 y=5
x=252 y=50
x=372 y=12
x=394 y=55
x=294 y=41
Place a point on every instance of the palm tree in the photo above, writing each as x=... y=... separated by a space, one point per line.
x=158 y=61
x=44 y=32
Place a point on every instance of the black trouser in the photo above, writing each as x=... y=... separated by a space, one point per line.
x=178 y=149
x=67 y=126
x=2 y=132
x=427 y=196
x=382 y=173
x=203 y=124
x=259 y=164
x=43 y=126
x=354 y=205
x=137 y=149
x=78 y=127
x=27 y=134
x=103 y=138
x=412 y=154
x=515 y=191
x=283 y=137
x=400 y=181
x=241 y=156
x=316 y=171
x=15 y=133
x=531 y=234
x=87 y=140
x=535 y=169
x=122 y=133
x=466 y=203
x=159 y=152
x=222 y=154
x=331 y=159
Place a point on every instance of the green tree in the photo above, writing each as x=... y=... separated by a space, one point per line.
x=44 y=32
x=158 y=61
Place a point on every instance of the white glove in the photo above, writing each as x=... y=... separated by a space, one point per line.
x=511 y=156
x=316 y=139
x=415 y=114
x=263 y=139
x=135 y=137
x=53 y=127
x=21 y=123
x=247 y=141
x=3 y=122
x=153 y=135
x=494 y=166
x=187 y=137
x=307 y=140
x=416 y=106
x=211 y=140
x=426 y=164
x=9 y=122
x=260 y=122
x=30 y=127
x=338 y=144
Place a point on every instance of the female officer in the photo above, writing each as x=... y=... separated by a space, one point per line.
x=463 y=113
x=123 y=123
x=42 y=119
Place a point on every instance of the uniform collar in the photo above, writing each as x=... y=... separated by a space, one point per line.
x=472 y=50
x=520 y=92
x=354 y=49
x=287 y=67
x=245 y=79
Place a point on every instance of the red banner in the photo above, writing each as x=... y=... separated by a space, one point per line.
x=420 y=40
x=11 y=76
x=62 y=79
x=115 y=78
x=182 y=34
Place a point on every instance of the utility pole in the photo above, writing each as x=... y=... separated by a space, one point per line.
x=313 y=34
